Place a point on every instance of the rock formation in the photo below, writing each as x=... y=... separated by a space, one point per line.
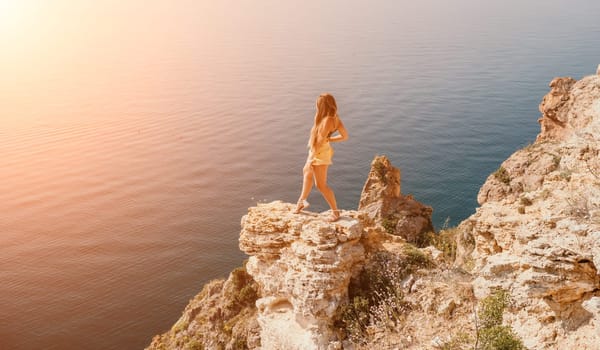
x=569 y=124
x=382 y=201
x=303 y=265
x=537 y=231
x=314 y=260
x=221 y=316
x=298 y=273
x=555 y=108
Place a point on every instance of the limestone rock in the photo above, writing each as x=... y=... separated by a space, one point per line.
x=303 y=265
x=221 y=316
x=555 y=107
x=592 y=305
x=382 y=201
x=567 y=142
x=537 y=231
x=435 y=254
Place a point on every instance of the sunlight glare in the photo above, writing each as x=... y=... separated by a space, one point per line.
x=11 y=13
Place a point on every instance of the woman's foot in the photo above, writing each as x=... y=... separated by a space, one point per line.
x=334 y=216
x=302 y=204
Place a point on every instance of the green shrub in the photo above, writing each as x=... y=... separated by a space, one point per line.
x=389 y=224
x=444 y=241
x=244 y=289
x=502 y=175
x=490 y=333
x=492 y=307
x=353 y=318
x=461 y=341
x=414 y=259
x=194 y=345
x=180 y=325
x=380 y=169
x=499 y=338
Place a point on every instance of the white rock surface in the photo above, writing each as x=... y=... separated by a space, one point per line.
x=303 y=265
x=537 y=230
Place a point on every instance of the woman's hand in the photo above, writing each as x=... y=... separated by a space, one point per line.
x=343 y=133
x=331 y=125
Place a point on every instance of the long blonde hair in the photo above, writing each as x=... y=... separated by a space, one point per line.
x=326 y=107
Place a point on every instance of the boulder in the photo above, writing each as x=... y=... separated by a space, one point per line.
x=303 y=266
x=382 y=201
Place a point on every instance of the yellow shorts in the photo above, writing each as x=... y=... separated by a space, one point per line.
x=323 y=155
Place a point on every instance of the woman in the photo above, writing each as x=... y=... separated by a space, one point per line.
x=327 y=122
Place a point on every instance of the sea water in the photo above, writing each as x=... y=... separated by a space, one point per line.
x=134 y=135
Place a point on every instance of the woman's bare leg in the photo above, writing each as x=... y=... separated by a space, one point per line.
x=320 y=174
x=307 y=184
x=307 y=180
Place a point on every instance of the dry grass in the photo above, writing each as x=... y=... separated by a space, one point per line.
x=376 y=297
x=445 y=241
x=580 y=206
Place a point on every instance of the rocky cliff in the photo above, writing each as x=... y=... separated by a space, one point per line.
x=522 y=272
x=537 y=231
x=299 y=276
x=303 y=266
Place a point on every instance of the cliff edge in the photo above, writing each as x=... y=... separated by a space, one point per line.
x=302 y=271
x=537 y=232
x=522 y=272
x=303 y=266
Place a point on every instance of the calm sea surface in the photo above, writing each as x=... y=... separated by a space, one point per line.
x=134 y=135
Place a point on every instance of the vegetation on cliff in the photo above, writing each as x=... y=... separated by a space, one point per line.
x=490 y=332
x=221 y=316
x=376 y=296
x=386 y=309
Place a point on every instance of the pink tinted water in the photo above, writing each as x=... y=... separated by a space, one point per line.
x=134 y=134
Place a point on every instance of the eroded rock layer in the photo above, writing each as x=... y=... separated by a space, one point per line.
x=537 y=231
x=303 y=265
x=382 y=201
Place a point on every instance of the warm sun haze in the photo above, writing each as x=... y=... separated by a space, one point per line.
x=135 y=134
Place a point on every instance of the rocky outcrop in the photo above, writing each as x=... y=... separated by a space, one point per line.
x=555 y=109
x=567 y=142
x=303 y=265
x=382 y=201
x=298 y=273
x=536 y=237
x=538 y=227
x=221 y=316
x=314 y=260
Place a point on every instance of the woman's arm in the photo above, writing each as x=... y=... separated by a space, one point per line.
x=343 y=136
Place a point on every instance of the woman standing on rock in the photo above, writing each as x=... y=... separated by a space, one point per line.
x=327 y=122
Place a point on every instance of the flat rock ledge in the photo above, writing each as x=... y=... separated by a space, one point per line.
x=303 y=265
